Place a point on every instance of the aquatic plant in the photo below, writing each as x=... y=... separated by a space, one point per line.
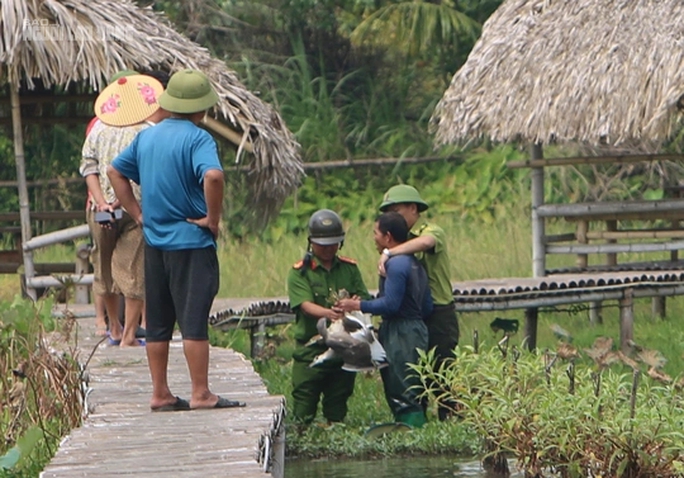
x=567 y=418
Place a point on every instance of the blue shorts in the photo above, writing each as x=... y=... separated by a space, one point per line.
x=180 y=287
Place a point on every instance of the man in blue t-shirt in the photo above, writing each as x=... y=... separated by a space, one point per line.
x=177 y=166
x=404 y=302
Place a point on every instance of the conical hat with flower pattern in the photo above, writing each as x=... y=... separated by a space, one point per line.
x=129 y=100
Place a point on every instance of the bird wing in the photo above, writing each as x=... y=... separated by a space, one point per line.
x=378 y=354
x=356 y=320
x=322 y=327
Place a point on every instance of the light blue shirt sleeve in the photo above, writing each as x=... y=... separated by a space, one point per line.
x=205 y=156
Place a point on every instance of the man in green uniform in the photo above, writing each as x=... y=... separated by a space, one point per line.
x=428 y=243
x=311 y=284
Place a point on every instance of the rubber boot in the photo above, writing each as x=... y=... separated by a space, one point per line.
x=412 y=419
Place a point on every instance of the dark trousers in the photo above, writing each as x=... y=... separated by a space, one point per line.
x=180 y=286
x=401 y=338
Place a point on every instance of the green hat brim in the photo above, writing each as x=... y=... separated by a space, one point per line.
x=422 y=206
x=188 y=105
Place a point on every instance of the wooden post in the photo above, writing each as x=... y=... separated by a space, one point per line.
x=582 y=229
x=611 y=257
x=278 y=459
x=530 y=332
x=257 y=338
x=82 y=267
x=595 y=316
x=658 y=307
x=24 y=213
x=595 y=307
x=626 y=320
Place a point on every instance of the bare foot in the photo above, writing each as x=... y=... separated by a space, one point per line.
x=101 y=330
x=208 y=400
x=171 y=404
x=135 y=343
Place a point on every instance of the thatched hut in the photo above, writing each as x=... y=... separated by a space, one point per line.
x=56 y=44
x=608 y=72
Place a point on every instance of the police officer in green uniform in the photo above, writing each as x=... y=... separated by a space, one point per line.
x=311 y=283
x=428 y=244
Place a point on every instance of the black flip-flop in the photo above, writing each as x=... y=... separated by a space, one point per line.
x=225 y=403
x=178 y=406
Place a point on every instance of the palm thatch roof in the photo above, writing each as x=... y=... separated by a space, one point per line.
x=66 y=41
x=605 y=72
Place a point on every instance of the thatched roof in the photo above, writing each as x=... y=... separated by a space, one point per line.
x=603 y=72
x=65 y=41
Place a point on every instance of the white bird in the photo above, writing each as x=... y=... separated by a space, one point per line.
x=352 y=339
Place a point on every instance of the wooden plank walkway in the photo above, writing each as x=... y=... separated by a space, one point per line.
x=122 y=437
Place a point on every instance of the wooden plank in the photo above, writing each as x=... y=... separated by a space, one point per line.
x=121 y=435
x=618 y=159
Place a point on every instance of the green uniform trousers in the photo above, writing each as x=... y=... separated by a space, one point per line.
x=443 y=334
x=401 y=338
x=327 y=379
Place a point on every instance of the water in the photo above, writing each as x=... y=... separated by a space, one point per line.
x=411 y=467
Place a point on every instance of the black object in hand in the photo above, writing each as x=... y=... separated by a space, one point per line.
x=108 y=216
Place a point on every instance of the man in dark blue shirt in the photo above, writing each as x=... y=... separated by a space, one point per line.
x=404 y=301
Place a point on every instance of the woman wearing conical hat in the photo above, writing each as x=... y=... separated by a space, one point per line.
x=124 y=108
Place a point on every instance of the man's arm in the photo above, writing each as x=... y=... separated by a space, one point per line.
x=393 y=292
x=316 y=311
x=417 y=244
x=93 y=183
x=300 y=294
x=213 y=195
x=124 y=193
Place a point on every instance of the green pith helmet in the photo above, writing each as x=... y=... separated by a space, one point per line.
x=325 y=228
x=188 y=91
x=121 y=74
x=401 y=194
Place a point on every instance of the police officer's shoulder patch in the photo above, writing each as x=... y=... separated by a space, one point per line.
x=348 y=260
x=298 y=265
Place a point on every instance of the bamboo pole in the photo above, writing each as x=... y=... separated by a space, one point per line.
x=24 y=212
x=50 y=281
x=591 y=211
x=57 y=237
x=619 y=159
x=637 y=234
x=616 y=248
x=538 y=245
x=228 y=133
x=538 y=232
x=43 y=182
x=540 y=299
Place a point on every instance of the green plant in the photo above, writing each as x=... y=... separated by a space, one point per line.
x=40 y=384
x=572 y=420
